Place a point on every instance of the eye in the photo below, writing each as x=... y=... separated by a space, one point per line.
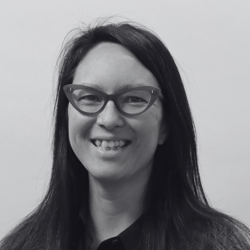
x=134 y=99
x=90 y=98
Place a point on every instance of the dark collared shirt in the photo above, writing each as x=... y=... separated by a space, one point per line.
x=129 y=239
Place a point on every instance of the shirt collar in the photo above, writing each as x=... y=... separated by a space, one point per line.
x=129 y=238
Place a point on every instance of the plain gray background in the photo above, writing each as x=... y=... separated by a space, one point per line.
x=210 y=43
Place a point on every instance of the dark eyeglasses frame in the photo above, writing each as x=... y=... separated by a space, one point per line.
x=68 y=90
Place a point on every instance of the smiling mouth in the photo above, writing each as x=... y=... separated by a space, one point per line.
x=110 y=145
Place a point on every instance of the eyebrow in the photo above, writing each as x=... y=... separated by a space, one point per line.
x=124 y=87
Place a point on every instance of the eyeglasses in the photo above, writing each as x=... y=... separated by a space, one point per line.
x=130 y=102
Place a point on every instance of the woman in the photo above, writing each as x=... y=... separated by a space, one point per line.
x=125 y=173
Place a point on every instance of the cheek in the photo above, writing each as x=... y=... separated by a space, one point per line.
x=73 y=124
x=149 y=128
x=78 y=126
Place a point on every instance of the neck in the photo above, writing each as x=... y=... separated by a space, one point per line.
x=114 y=206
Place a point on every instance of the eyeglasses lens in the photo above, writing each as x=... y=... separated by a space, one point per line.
x=134 y=102
x=87 y=100
x=131 y=102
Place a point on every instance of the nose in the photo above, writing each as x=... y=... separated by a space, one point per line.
x=110 y=117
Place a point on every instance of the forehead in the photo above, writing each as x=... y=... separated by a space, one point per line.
x=110 y=67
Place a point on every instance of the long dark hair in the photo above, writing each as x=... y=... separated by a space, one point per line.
x=177 y=213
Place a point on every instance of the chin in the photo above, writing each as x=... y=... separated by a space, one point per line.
x=111 y=176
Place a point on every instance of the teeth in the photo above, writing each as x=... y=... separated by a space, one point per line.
x=109 y=144
x=121 y=143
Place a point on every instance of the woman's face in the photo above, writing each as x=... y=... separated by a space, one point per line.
x=110 y=68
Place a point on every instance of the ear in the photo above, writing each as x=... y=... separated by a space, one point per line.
x=163 y=135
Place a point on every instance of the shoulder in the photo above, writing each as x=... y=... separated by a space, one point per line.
x=228 y=234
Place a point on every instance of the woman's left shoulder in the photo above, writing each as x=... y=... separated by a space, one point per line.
x=228 y=234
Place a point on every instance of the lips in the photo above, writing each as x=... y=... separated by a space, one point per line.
x=110 y=144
